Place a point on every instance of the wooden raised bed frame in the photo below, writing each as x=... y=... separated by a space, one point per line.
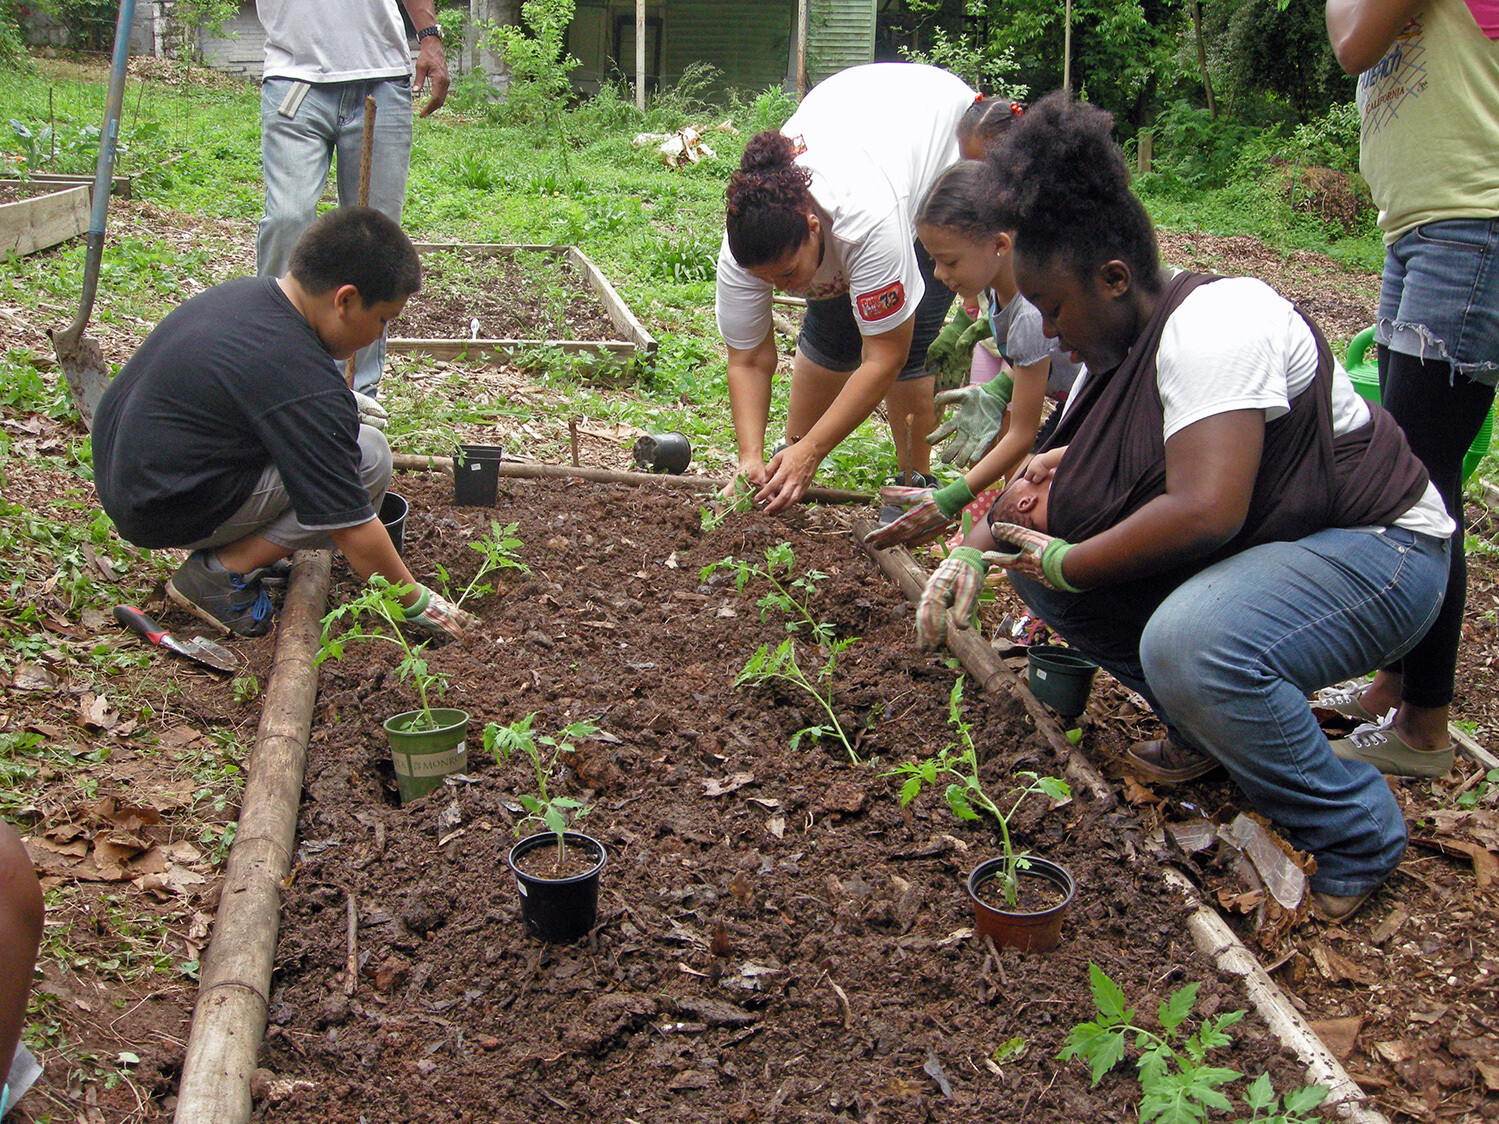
x=634 y=342
x=40 y=222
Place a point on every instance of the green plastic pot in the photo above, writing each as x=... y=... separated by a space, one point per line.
x=1060 y=678
x=423 y=757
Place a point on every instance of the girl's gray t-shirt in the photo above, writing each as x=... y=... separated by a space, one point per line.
x=1021 y=342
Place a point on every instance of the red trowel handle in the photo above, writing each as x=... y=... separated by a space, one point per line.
x=137 y=622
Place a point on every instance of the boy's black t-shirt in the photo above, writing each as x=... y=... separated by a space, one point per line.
x=231 y=381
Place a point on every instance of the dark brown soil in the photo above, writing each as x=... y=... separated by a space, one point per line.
x=777 y=939
x=12 y=192
x=532 y=296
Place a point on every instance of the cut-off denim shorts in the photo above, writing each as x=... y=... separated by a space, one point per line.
x=1439 y=298
x=830 y=336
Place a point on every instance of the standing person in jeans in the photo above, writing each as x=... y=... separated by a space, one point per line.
x=321 y=60
x=1428 y=98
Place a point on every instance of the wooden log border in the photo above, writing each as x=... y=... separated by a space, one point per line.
x=43 y=221
x=634 y=342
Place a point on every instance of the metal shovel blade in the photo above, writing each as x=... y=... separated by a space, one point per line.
x=82 y=363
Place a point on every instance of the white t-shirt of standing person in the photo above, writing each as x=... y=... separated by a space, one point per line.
x=873 y=138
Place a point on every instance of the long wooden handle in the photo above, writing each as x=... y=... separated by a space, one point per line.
x=366 y=153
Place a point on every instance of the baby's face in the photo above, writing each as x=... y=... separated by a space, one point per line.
x=1023 y=503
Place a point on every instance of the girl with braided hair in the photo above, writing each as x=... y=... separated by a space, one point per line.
x=1229 y=526
x=824 y=208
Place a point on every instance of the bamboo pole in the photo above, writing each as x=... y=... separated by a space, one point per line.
x=406 y=462
x=233 y=994
x=1209 y=932
x=366 y=156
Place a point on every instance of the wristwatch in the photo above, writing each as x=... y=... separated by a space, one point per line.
x=426 y=31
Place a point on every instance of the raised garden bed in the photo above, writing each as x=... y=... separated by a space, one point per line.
x=522 y=298
x=36 y=216
x=778 y=939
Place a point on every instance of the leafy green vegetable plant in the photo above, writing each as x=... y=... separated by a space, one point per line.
x=381 y=602
x=965 y=794
x=766 y=665
x=789 y=595
x=552 y=812
x=1177 y=1086
x=498 y=553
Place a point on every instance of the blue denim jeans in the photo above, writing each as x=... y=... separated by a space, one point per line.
x=1230 y=656
x=295 y=153
x=1439 y=296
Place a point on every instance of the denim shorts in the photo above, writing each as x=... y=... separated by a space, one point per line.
x=1439 y=296
x=830 y=336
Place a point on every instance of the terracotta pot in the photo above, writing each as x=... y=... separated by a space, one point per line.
x=558 y=910
x=1029 y=932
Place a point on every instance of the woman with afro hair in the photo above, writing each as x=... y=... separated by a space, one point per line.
x=824 y=209
x=1229 y=528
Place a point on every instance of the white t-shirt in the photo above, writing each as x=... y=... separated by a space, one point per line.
x=333 y=40
x=874 y=138
x=1237 y=344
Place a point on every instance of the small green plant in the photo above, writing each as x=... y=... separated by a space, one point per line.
x=1480 y=791
x=788 y=594
x=1176 y=1084
x=497 y=550
x=965 y=794
x=246 y=689
x=381 y=602
x=721 y=508
x=552 y=812
x=765 y=665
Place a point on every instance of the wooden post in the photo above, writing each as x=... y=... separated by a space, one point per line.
x=640 y=55
x=1067 y=48
x=801 y=49
x=234 y=992
x=1144 y=150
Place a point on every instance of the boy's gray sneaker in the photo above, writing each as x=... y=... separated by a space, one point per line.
x=222 y=598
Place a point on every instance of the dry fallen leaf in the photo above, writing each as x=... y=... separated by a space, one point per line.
x=1339 y=1035
x=714 y=787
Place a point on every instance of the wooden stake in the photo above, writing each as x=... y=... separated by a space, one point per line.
x=572 y=436
x=908 y=439
x=353 y=946
x=366 y=154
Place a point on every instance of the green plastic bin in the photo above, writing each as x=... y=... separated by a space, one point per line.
x=1365 y=376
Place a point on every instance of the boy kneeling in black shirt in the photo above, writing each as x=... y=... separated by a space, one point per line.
x=230 y=432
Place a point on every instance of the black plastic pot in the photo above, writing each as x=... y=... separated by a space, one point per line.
x=476 y=475
x=393 y=516
x=558 y=910
x=662 y=452
x=1029 y=932
x=1060 y=678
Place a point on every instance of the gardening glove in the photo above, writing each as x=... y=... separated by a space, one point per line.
x=978 y=413
x=931 y=511
x=370 y=411
x=1035 y=554
x=946 y=358
x=437 y=615
x=955 y=585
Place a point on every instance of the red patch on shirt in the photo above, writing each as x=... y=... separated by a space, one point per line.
x=882 y=302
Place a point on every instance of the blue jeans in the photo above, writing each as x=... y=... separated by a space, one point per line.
x=1232 y=653
x=295 y=152
x=1439 y=296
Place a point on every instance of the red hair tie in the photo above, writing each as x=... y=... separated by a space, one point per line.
x=1016 y=109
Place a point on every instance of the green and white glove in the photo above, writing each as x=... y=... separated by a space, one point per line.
x=950 y=356
x=931 y=511
x=437 y=615
x=955 y=585
x=1036 y=554
x=978 y=412
x=370 y=411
